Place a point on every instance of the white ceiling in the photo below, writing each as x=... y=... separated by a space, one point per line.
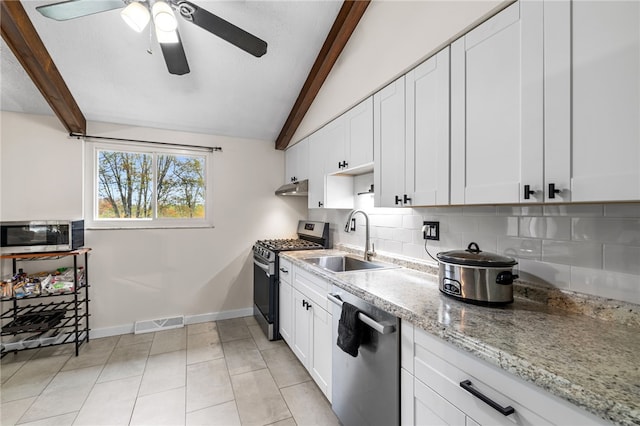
x=228 y=91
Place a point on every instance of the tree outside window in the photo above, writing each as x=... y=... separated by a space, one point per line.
x=135 y=185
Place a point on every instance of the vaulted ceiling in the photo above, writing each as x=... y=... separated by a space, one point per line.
x=112 y=77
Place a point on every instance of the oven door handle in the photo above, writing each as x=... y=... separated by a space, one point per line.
x=379 y=327
x=263 y=266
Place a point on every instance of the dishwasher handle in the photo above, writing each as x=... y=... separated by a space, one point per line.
x=380 y=328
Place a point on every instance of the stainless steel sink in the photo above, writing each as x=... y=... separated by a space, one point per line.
x=345 y=264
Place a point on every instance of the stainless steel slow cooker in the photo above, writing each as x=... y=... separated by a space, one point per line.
x=476 y=276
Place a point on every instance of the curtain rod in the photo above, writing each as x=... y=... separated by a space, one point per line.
x=208 y=148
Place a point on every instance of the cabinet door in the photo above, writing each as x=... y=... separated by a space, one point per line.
x=359 y=127
x=285 y=312
x=593 y=105
x=301 y=328
x=427 y=146
x=497 y=108
x=322 y=345
x=296 y=162
x=333 y=136
x=389 y=144
x=317 y=152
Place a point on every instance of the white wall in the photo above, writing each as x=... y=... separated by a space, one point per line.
x=148 y=274
x=392 y=37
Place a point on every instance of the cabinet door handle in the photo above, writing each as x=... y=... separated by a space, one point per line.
x=505 y=411
x=284 y=271
x=528 y=192
x=345 y=164
x=339 y=165
x=553 y=191
x=398 y=200
x=294 y=179
x=320 y=204
x=304 y=303
x=406 y=199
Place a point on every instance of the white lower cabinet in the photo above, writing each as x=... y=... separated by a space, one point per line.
x=285 y=301
x=310 y=330
x=431 y=376
x=302 y=330
x=321 y=350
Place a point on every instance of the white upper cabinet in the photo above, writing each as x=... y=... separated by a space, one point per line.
x=333 y=138
x=411 y=137
x=427 y=132
x=317 y=152
x=389 y=144
x=592 y=100
x=297 y=162
x=359 y=125
x=326 y=191
x=349 y=139
x=497 y=109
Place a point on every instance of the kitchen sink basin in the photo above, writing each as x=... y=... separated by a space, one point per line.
x=345 y=264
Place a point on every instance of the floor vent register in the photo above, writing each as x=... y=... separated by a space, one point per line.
x=150 y=326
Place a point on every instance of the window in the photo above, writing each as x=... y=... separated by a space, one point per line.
x=137 y=186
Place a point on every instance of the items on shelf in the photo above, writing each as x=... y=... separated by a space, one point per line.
x=42 y=283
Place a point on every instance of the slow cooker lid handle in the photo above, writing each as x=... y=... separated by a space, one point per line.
x=473 y=248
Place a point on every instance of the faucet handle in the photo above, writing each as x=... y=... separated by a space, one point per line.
x=371 y=253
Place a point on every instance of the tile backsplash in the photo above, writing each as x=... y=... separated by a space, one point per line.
x=587 y=248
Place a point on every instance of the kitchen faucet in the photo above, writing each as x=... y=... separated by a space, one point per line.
x=367 y=253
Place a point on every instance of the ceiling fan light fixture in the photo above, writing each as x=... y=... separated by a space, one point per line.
x=136 y=15
x=163 y=17
x=166 y=36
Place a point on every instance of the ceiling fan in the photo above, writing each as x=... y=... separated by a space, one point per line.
x=138 y=13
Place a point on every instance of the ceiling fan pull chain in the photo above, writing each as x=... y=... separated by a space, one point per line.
x=149 y=50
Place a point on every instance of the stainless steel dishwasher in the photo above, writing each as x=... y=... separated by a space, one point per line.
x=366 y=389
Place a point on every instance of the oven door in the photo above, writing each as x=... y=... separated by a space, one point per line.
x=265 y=296
x=262 y=286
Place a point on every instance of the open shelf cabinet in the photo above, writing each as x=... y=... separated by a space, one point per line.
x=47 y=319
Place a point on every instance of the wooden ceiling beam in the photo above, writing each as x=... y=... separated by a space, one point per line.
x=25 y=43
x=344 y=25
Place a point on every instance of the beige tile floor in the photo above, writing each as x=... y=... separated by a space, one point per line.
x=215 y=373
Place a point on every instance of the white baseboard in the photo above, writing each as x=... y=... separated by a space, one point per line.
x=188 y=319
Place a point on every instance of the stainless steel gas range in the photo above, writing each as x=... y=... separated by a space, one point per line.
x=266 y=270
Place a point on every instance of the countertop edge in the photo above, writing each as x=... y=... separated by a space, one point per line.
x=518 y=366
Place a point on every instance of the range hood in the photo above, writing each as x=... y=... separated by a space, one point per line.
x=300 y=189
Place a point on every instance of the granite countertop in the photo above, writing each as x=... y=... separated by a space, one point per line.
x=591 y=362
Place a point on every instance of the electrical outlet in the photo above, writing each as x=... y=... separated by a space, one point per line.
x=353 y=223
x=431 y=230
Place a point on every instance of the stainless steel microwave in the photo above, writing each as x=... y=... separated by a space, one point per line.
x=37 y=236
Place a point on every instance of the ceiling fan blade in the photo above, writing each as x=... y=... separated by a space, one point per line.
x=77 y=8
x=223 y=29
x=175 y=57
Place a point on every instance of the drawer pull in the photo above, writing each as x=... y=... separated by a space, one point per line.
x=505 y=411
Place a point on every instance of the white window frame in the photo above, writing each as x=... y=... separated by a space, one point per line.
x=92 y=148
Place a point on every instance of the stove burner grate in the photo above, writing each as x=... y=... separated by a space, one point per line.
x=290 y=244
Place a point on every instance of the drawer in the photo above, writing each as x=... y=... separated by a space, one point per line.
x=285 y=270
x=314 y=288
x=445 y=378
x=442 y=368
x=432 y=409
